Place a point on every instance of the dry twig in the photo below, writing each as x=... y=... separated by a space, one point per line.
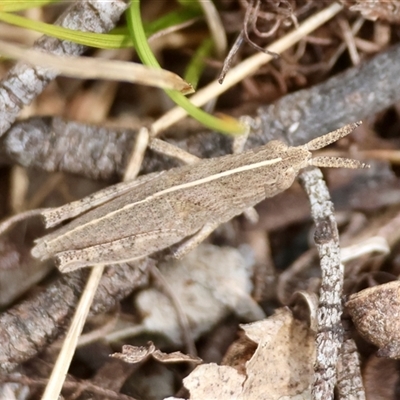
x=330 y=331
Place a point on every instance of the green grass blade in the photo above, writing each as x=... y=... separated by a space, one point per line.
x=118 y=38
x=172 y=18
x=12 y=6
x=196 y=66
x=98 y=40
x=231 y=125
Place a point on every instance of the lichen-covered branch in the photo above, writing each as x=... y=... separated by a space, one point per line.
x=350 y=385
x=330 y=332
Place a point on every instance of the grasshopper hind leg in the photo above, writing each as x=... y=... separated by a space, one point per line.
x=127 y=249
x=195 y=240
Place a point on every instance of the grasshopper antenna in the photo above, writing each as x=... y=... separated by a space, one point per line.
x=325 y=140
x=331 y=137
x=337 y=162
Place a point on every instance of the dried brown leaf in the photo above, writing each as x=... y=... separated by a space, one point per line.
x=376 y=314
x=136 y=354
x=281 y=367
x=388 y=10
x=175 y=356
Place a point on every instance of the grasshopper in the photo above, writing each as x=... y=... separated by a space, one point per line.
x=132 y=220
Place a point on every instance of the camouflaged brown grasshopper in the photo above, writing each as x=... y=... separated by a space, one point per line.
x=131 y=220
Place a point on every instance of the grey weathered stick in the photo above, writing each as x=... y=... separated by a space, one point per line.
x=339 y=100
x=190 y=201
x=47 y=313
x=103 y=152
x=76 y=386
x=350 y=385
x=330 y=332
x=24 y=82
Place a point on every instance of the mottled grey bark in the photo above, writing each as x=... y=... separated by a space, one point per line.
x=27 y=328
x=330 y=332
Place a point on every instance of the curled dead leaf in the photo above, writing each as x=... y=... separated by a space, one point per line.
x=376 y=314
x=136 y=354
x=280 y=368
